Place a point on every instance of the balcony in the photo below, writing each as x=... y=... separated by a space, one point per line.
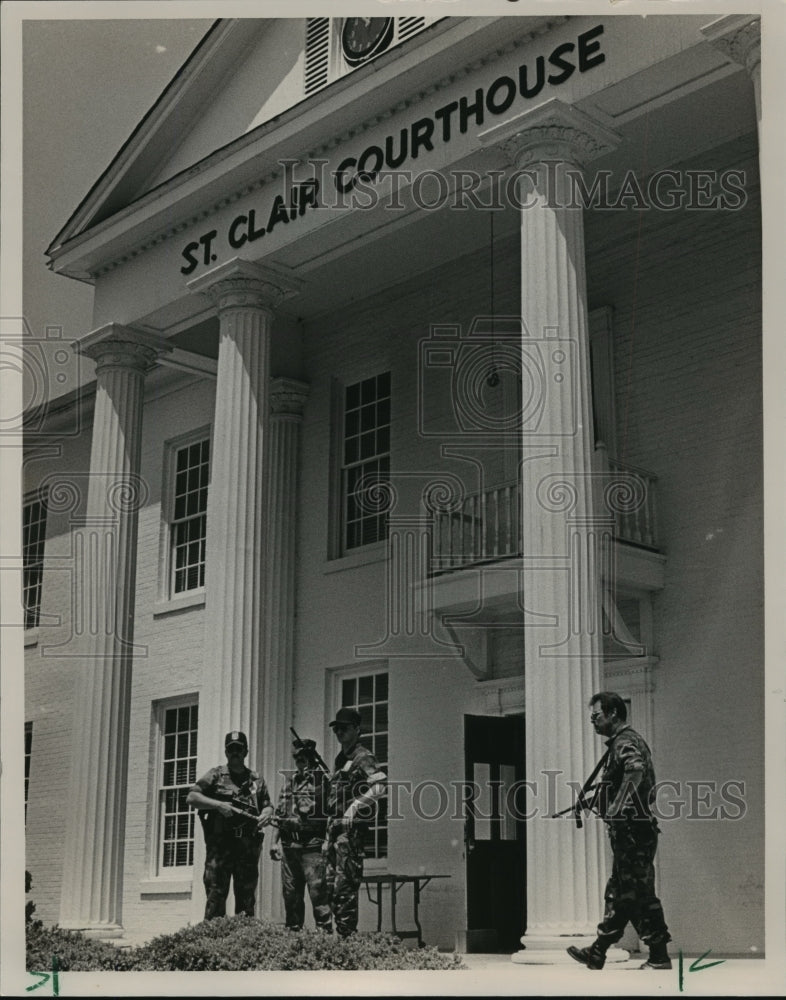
x=486 y=527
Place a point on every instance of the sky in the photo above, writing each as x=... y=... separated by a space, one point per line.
x=86 y=85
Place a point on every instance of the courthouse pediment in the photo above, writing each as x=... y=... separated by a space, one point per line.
x=217 y=95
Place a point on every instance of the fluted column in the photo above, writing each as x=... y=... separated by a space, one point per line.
x=738 y=37
x=287 y=398
x=245 y=296
x=563 y=655
x=91 y=896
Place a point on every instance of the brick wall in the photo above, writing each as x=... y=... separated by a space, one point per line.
x=49 y=684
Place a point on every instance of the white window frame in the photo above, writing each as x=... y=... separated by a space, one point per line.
x=156 y=868
x=339 y=549
x=167 y=597
x=371 y=864
x=41 y=497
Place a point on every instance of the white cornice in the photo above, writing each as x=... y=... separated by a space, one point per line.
x=252 y=160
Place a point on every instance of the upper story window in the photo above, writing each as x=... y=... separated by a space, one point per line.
x=33 y=539
x=365 y=461
x=186 y=482
x=337 y=45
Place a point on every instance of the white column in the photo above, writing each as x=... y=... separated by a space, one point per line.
x=287 y=399
x=245 y=296
x=233 y=683
x=563 y=655
x=92 y=891
x=738 y=37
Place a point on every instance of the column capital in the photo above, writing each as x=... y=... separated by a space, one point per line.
x=239 y=283
x=117 y=346
x=288 y=396
x=553 y=131
x=738 y=37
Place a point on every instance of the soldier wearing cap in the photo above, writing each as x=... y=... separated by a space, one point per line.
x=234 y=806
x=357 y=783
x=298 y=839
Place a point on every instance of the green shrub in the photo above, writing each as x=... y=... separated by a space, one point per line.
x=234 y=944
x=74 y=952
x=244 y=943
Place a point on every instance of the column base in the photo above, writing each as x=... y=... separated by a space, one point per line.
x=553 y=950
x=98 y=932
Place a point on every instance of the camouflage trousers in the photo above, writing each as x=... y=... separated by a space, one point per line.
x=344 y=872
x=235 y=859
x=630 y=892
x=300 y=869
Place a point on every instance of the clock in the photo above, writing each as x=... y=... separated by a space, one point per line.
x=364 y=37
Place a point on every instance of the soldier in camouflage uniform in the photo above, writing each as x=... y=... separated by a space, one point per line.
x=356 y=784
x=298 y=839
x=627 y=786
x=233 y=842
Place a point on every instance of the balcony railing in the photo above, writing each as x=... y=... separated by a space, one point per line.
x=486 y=526
x=635 y=519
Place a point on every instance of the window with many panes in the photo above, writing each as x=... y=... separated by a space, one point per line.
x=365 y=461
x=188 y=519
x=368 y=694
x=28 y=757
x=177 y=773
x=33 y=539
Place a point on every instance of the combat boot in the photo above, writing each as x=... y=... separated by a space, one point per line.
x=593 y=957
x=658 y=957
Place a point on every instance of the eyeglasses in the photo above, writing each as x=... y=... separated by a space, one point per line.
x=595 y=715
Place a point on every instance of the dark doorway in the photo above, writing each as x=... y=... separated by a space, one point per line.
x=494 y=834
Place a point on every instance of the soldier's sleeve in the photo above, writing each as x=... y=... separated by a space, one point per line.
x=207 y=783
x=631 y=755
x=284 y=796
x=372 y=772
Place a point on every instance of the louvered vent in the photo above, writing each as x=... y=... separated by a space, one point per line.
x=318 y=53
x=324 y=62
x=409 y=26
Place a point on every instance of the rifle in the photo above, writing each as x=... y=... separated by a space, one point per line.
x=304 y=745
x=250 y=815
x=581 y=802
x=205 y=817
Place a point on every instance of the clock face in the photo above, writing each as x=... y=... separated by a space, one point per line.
x=364 y=37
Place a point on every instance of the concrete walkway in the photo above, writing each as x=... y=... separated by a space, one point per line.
x=731 y=977
x=487 y=975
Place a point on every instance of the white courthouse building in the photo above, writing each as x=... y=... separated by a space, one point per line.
x=424 y=377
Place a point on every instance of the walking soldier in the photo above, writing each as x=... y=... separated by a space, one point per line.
x=628 y=785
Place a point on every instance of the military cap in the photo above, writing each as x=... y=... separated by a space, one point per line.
x=346 y=716
x=235 y=738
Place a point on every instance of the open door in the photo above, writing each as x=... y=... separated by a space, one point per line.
x=494 y=834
